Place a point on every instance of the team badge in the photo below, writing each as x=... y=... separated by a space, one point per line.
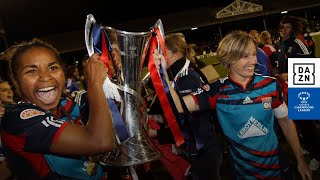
x=30 y=113
x=266 y=102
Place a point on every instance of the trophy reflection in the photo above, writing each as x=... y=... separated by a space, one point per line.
x=134 y=147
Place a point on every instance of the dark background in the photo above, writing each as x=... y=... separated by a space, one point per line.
x=61 y=22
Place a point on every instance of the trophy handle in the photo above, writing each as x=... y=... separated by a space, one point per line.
x=88 y=34
x=159 y=25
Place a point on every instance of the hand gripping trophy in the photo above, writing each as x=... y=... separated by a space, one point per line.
x=122 y=89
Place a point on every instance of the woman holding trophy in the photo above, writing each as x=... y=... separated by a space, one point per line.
x=42 y=136
x=246 y=104
x=203 y=147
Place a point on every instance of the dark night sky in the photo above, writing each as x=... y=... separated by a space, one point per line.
x=29 y=18
x=24 y=19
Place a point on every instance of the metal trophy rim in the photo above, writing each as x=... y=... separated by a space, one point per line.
x=142 y=146
x=88 y=36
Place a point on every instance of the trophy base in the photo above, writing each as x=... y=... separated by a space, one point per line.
x=131 y=152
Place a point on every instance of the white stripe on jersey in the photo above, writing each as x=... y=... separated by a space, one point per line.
x=302 y=46
x=45 y=123
x=79 y=96
x=52 y=121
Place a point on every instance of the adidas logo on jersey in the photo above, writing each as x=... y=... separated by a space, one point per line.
x=247 y=100
x=184 y=72
x=252 y=128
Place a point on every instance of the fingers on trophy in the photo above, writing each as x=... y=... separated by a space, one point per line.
x=160 y=59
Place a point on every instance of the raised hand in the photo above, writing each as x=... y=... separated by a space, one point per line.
x=160 y=60
x=96 y=70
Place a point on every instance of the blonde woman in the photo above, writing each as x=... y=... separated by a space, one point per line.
x=246 y=104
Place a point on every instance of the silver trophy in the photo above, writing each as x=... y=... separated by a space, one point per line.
x=137 y=149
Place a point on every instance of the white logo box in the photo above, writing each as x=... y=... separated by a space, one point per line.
x=303 y=72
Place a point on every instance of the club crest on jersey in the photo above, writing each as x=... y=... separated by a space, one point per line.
x=266 y=102
x=29 y=113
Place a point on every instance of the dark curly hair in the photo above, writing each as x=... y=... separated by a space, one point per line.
x=14 y=53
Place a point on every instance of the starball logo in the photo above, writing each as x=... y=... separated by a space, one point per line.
x=304 y=106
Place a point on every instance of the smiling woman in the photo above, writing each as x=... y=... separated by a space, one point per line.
x=246 y=104
x=37 y=86
x=44 y=127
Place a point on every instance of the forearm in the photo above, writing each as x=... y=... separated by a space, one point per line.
x=100 y=120
x=174 y=94
x=188 y=100
x=290 y=132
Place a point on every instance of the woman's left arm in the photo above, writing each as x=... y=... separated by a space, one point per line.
x=290 y=132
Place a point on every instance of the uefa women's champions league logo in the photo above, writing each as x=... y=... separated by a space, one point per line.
x=304 y=96
x=304 y=106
